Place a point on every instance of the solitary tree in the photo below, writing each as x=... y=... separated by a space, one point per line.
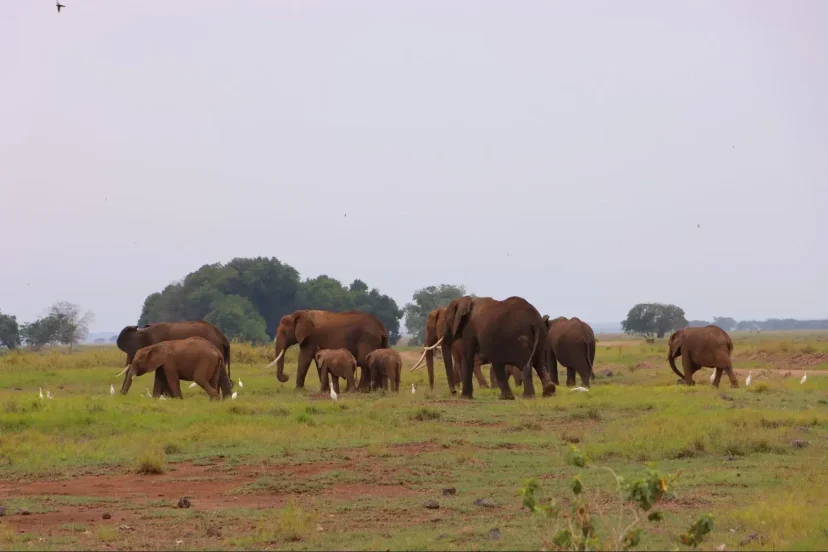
x=9 y=331
x=424 y=301
x=649 y=319
x=72 y=326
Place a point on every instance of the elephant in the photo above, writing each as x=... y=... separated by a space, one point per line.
x=191 y=359
x=356 y=331
x=435 y=330
x=385 y=366
x=500 y=332
x=457 y=361
x=133 y=338
x=571 y=342
x=340 y=363
x=707 y=346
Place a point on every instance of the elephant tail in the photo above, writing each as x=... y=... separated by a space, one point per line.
x=226 y=355
x=527 y=369
x=672 y=361
x=588 y=360
x=224 y=382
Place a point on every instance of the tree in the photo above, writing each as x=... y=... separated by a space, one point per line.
x=72 y=327
x=9 y=331
x=724 y=322
x=649 y=319
x=423 y=302
x=237 y=318
x=43 y=331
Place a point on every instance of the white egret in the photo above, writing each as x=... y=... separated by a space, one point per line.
x=162 y=398
x=240 y=383
x=579 y=389
x=40 y=392
x=747 y=381
x=235 y=395
x=333 y=393
x=111 y=389
x=804 y=378
x=49 y=395
x=148 y=392
x=192 y=385
x=413 y=389
x=713 y=376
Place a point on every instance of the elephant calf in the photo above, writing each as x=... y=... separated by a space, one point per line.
x=192 y=359
x=385 y=366
x=340 y=363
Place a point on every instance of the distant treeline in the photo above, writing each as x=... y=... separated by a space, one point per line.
x=771 y=324
x=247 y=296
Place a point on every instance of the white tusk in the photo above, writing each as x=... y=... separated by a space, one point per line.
x=275 y=361
x=413 y=368
x=425 y=350
x=122 y=372
x=435 y=345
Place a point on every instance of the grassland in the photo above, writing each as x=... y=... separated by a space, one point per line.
x=282 y=469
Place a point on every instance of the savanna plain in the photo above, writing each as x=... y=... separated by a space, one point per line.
x=281 y=469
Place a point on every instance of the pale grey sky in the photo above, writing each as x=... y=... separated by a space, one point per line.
x=562 y=151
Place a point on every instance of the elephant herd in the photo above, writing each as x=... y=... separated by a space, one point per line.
x=511 y=335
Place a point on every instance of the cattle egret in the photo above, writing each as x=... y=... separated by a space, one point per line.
x=579 y=389
x=747 y=381
x=148 y=392
x=333 y=393
x=413 y=389
x=162 y=398
x=49 y=395
x=235 y=395
x=804 y=378
x=240 y=383
x=713 y=376
x=40 y=392
x=192 y=385
x=111 y=389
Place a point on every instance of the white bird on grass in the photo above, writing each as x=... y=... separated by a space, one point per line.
x=40 y=392
x=162 y=398
x=580 y=389
x=747 y=381
x=804 y=378
x=333 y=394
x=49 y=395
x=148 y=392
x=713 y=376
x=240 y=383
x=413 y=389
x=192 y=385
x=235 y=395
x=111 y=389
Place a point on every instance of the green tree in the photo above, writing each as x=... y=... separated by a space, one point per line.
x=72 y=326
x=237 y=318
x=9 y=331
x=423 y=302
x=649 y=319
x=724 y=322
x=40 y=333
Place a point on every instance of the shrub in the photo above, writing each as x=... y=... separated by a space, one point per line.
x=425 y=414
x=151 y=462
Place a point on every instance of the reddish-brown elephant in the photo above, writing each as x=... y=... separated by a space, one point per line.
x=571 y=342
x=500 y=332
x=708 y=346
x=133 y=338
x=358 y=332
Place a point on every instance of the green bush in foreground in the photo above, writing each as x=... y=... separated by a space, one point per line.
x=574 y=530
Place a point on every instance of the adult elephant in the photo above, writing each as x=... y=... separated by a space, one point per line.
x=133 y=338
x=356 y=331
x=571 y=342
x=500 y=332
x=707 y=346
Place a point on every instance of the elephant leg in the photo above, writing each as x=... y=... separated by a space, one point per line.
x=351 y=382
x=319 y=373
x=552 y=363
x=570 y=376
x=493 y=377
x=517 y=375
x=503 y=382
x=467 y=368
x=585 y=373
x=733 y=381
x=305 y=358
x=718 y=377
x=478 y=373
x=363 y=350
x=160 y=386
x=546 y=381
x=687 y=366
x=335 y=384
x=430 y=367
x=174 y=382
x=211 y=391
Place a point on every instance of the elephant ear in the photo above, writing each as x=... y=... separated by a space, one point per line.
x=462 y=307
x=303 y=326
x=157 y=357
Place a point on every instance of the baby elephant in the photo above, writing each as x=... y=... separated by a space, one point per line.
x=192 y=359
x=340 y=363
x=385 y=366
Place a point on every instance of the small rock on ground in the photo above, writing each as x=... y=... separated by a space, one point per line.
x=484 y=502
x=106 y=515
x=799 y=443
x=494 y=534
x=432 y=505
x=24 y=512
x=184 y=502
x=213 y=532
x=449 y=491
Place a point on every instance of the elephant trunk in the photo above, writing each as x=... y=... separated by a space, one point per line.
x=127 y=380
x=225 y=383
x=280 y=364
x=323 y=376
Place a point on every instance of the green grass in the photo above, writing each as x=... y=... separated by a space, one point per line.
x=355 y=473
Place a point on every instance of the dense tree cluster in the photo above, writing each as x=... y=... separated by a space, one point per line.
x=770 y=325
x=424 y=301
x=246 y=297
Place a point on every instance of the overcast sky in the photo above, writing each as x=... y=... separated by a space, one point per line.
x=583 y=155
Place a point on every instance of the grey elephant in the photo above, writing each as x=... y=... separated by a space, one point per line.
x=707 y=346
x=571 y=342
x=339 y=363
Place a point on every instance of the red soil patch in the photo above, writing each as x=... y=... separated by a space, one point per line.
x=784 y=360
